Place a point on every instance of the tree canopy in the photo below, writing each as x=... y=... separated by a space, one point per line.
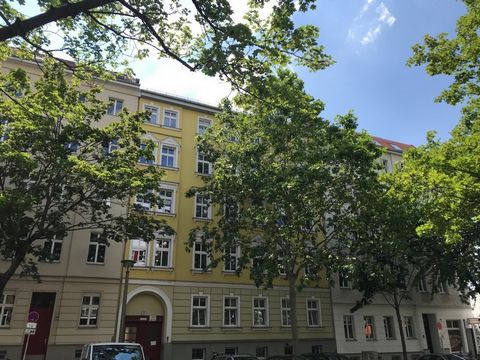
x=286 y=183
x=61 y=171
x=201 y=35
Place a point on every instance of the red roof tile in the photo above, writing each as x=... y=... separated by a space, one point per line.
x=391 y=145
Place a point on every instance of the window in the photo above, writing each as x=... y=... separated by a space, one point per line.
x=231 y=351
x=389 y=327
x=231 y=258
x=153 y=114
x=285 y=311
x=202 y=207
x=422 y=284
x=142 y=202
x=281 y=266
x=199 y=354
x=138 y=252
x=369 y=327
x=261 y=352
x=112 y=146
x=6 y=308
x=163 y=252
x=260 y=313
x=231 y=309
x=386 y=165
x=96 y=249
x=454 y=335
x=115 y=106
x=201 y=259
x=343 y=281
x=168 y=156
x=170 y=118
x=317 y=349
x=167 y=198
x=203 y=125
x=409 y=328
x=313 y=312
x=199 y=311
x=89 y=310
x=143 y=159
x=4 y=130
x=203 y=166
x=348 y=327
x=52 y=249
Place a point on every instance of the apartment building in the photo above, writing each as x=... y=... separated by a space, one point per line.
x=432 y=323
x=76 y=301
x=175 y=308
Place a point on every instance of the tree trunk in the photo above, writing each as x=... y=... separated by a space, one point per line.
x=23 y=27
x=292 y=291
x=396 y=305
x=5 y=277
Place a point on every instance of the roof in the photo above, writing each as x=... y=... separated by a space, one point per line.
x=391 y=145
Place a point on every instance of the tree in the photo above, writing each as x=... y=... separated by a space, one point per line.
x=201 y=35
x=387 y=257
x=286 y=183
x=60 y=170
x=444 y=177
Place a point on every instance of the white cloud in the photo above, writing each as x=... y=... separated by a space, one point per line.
x=373 y=22
x=384 y=15
x=169 y=76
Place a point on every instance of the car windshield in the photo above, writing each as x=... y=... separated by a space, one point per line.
x=117 y=352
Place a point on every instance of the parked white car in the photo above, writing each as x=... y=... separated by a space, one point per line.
x=112 y=351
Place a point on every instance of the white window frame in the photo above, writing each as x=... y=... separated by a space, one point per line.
x=199 y=122
x=389 y=327
x=260 y=308
x=169 y=251
x=204 y=163
x=202 y=204
x=112 y=106
x=149 y=107
x=367 y=322
x=206 y=308
x=173 y=189
x=409 y=327
x=285 y=313
x=146 y=206
x=204 y=354
x=155 y=151
x=6 y=309
x=177 y=119
x=234 y=309
x=343 y=281
x=97 y=247
x=139 y=248
x=349 y=324
x=54 y=241
x=90 y=307
x=231 y=255
x=316 y=310
x=202 y=252
x=168 y=156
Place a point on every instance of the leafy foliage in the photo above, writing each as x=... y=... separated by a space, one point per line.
x=201 y=35
x=286 y=183
x=58 y=171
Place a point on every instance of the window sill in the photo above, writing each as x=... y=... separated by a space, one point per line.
x=351 y=340
x=200 y=328
x=314 y=326
x=153 y=268
x=232 y=328
x=87 y=327
x=285 y=327
x=229 y=272
x=95 y=263
x=4 y=327
x=261 y=328
x=201 y=219
x=171 y=168
x=391 y=339
x=171 y=128
x=199 y=271
x=203 y=175
x=165 y=213
x=370 y=339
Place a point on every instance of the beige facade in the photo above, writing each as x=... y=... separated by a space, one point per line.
x=73 y=278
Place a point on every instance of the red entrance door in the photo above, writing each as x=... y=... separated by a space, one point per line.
x=146 y=331
x=41 y=311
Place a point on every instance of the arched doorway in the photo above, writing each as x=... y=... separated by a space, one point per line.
x=147 y=313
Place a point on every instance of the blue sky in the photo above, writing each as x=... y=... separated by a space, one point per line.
x=370 y=40
x=390 y=99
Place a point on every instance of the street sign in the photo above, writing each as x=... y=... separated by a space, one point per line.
x=33 y=316
x=473 y=321
x=31 y=325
